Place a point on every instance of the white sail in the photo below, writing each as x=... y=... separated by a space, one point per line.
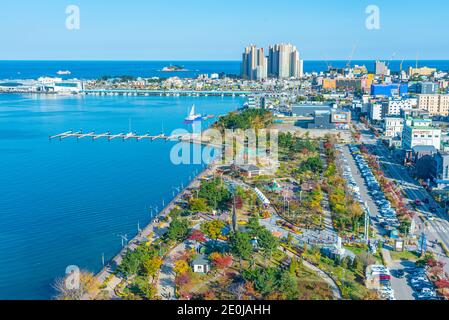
x=192 y=111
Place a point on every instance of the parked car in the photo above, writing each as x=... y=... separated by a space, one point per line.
x=400 y=274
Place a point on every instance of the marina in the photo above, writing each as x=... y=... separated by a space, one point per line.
x=193 y=138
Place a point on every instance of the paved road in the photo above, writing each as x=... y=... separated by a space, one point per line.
x=402 y=289
x=434 y=230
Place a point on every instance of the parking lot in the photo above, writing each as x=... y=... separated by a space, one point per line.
x=366 y=190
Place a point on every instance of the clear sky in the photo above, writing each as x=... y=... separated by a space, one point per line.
x=220 y=29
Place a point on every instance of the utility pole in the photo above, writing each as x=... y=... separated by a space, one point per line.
x=367 y=221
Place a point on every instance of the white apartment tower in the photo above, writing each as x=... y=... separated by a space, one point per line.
x=284 y=62
x=254 y=64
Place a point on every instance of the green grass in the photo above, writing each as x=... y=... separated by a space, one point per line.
x=405 y=255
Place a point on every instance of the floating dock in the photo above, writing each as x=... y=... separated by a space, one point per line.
x=190 y=138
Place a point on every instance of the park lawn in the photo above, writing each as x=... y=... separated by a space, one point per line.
x=405 y=255
x=351 y=284
x=356 y=250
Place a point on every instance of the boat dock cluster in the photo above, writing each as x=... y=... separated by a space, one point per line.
x=190 y=137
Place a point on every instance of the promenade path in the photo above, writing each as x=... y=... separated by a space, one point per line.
x=335 y=289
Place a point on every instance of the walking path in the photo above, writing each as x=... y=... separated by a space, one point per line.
x=166 y=286
x=335 y=289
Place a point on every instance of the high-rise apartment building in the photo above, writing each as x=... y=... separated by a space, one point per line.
x=254 y=64
x=284 y=62
x=382 y=69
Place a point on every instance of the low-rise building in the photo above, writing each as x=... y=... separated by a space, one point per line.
x=393 y=127
x=419 y=132
x=201 y=264
x=424 y=71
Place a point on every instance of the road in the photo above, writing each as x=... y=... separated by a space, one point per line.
x=364 y=192
x=393 y=169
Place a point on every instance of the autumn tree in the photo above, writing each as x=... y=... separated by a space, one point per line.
x=181 y=266
x=197 y=236
x=212 y=228
x=152 y=266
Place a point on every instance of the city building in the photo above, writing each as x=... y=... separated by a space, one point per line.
x=426 y=88
x=423 y=157
x=375 y=112
x=389 y=90
x=424 y=71
x=393 y=127
x=308 y=111
x=256 y=102
x=394 y=106
x=254 y=64
x=414 y=113
x=435 y=104
x=439 y=170
x=341 y=119
x=419 y=132
x=382 y=69
x=284 y=62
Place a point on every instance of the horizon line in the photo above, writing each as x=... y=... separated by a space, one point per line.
x=204 y=60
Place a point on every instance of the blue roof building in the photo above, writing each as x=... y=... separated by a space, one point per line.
x=389 y=90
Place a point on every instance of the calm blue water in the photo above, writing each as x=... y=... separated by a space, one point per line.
x=97 y=69
x=64 y=203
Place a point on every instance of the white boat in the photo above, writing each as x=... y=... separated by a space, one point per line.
x=192 y=116
x=63 y=72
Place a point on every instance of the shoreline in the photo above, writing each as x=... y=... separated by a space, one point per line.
x=145 y=233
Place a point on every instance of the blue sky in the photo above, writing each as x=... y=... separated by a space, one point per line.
x=219 y=29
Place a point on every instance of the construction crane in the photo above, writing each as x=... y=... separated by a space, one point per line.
x=391 y=59
x=348 y=65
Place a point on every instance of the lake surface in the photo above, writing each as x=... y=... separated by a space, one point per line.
x=66 y=202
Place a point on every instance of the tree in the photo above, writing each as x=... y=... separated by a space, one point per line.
x=86 y=284
x=267 y=242
x=198 y=205
x=221 y=261
x=130 y=264
x=240 y=245
x=181 y=267
x=288 y=286
x=212 y=228
x=197 y=236
x=254 y=227
x=215 y=192
x=152 y=266
x=178 y=230
x=293 y=266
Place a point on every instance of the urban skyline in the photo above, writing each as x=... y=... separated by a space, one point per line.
x=283 y=62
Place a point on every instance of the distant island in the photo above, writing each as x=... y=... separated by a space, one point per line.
x=174 y=68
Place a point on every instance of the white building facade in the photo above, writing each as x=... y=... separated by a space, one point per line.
x=393 y=127
x=420 y=133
